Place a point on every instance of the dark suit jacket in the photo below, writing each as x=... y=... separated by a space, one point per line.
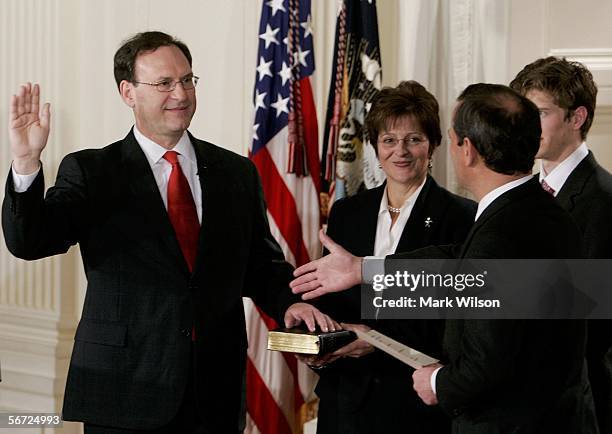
x=518 y=376
x=132 y=349
x=587 y=196
x=365 y=395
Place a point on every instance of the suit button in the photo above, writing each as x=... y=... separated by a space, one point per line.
x=186 y=332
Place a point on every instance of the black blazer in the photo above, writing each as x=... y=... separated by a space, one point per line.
x=518 y=376
x=364 y=395
x=587 y=196
x=132 y=349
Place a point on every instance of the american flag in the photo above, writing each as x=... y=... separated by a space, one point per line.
x=286 y=152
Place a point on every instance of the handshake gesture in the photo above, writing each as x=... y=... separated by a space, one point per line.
x=28 y=128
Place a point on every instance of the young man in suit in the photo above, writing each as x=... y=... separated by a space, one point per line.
x=565 y=94
x=511 y=376
x=173 y=233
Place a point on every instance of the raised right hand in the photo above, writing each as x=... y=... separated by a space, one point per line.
x=28 y=128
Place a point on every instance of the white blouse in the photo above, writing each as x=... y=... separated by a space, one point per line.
x=387 y=236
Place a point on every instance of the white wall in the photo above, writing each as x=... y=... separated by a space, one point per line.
x=68 y=45
x=579 y=30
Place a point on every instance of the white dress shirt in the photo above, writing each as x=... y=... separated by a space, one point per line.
x=159 y=166
x=22 y=182
x=488 y=198
x=557 y=177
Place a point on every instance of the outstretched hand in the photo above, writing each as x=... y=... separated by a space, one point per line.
x=332 y=273
x=28 y=128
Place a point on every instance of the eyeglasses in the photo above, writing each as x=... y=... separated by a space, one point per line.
x=411 y=140
x=188 y=83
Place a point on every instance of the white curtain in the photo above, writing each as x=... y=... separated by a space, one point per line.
x=446 y=45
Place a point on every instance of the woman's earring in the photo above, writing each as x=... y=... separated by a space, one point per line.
x=429 y=165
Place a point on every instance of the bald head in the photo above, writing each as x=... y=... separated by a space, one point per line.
x=503 y=126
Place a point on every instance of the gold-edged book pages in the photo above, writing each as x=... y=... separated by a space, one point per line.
x=298 y=340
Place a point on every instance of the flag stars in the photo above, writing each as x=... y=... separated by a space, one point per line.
x=281 y=105
x=269 y=36
x=255 y=136
x=285 y=73
x=263 y=69
x=276 y=5
x=307 y=26
x=259 y=100
x=300 y=56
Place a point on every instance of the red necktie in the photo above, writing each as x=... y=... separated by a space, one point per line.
x=547 y=188
x=182 y=211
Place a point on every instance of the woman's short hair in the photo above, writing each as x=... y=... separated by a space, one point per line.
x=409 y=98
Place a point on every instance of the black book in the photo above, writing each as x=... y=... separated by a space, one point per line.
x=299 y=340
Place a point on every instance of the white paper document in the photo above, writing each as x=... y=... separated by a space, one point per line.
x=402 y=352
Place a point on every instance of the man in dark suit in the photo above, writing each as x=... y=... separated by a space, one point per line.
x=565 y=94
x=173 y=233
x=511 y=376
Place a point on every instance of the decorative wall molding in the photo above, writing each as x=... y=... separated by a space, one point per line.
x=38 y=299
x=36 y=347
x=596 y=59
x=599 y=62
x=67 y=46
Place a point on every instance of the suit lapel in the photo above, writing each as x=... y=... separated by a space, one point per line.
x=212 y=181
x=368 y=216
x=497 y=205
x=147 y=202
x=576 y=182
x=426 y=214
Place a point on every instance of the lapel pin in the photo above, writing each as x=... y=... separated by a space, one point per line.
x=428 y=222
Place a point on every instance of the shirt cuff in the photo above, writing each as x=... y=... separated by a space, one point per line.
x=372 y=266
x=22 y=182
x=432 y=380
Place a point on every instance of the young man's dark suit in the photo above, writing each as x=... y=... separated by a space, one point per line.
x=587 y=196
x=359 y=395
x=518 y=376
x=133 y=346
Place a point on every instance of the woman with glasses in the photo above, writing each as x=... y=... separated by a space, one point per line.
x=363 y=390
